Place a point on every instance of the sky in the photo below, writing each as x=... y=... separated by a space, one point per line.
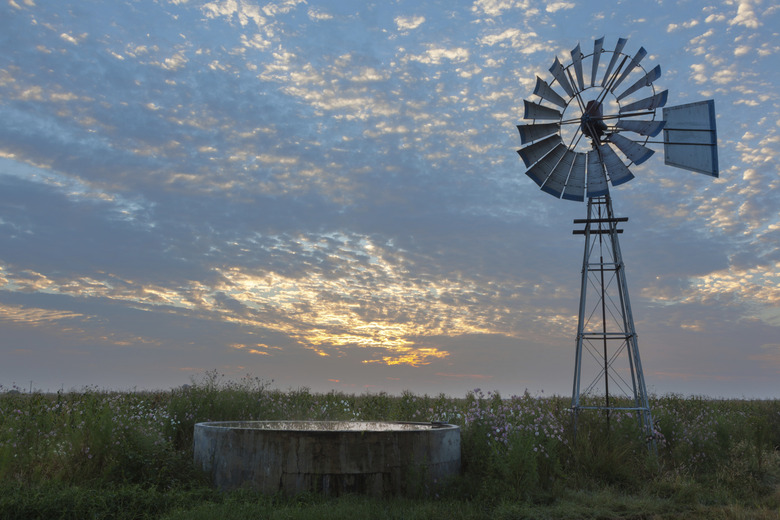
x=328 y=195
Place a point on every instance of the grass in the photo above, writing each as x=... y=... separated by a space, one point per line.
x=98 y=454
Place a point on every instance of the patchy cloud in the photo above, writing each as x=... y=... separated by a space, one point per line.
x=407 y=23
x=745 y=15
x=685 y=25
x=557 y=6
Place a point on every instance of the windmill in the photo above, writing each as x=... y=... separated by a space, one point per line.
x=597 y=108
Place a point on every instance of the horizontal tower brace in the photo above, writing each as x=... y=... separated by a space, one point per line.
x=626 y=408
x=599 y=220
x=607 y=335
x=595 y=231
x=599 y=269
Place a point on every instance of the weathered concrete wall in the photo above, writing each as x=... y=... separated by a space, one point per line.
x=379 y=459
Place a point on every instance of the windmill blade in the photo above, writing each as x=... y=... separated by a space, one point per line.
x=556 y=180
x=617 y=170
x=650 y=103
x=615 y=55
x=576 y=60
x=648 y=128
x=597 y=47
x=545 y=91
x=537 y=111
x=646 y=81
x=530 y=133
x=641 y=53
x=552 y=160
x=690 y=137
x=556 y=183
x=560 y=75
x=540 y=172
x=597 y=179
x=635 y=152
x=575 y=185
x=531 y=154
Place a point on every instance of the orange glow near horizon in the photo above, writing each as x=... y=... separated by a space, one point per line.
x=412 y=357
x=333 y=314
x=362 y=302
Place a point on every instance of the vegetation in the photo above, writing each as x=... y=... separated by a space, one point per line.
x=99 y=454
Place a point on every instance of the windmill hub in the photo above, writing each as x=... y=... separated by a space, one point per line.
x=588 y=118
x=592 y=121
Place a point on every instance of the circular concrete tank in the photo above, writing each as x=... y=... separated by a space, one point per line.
x=329 y=457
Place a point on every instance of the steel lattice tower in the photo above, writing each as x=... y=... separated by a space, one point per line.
x=607 y=351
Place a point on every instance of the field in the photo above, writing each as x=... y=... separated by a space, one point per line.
x=94 y=454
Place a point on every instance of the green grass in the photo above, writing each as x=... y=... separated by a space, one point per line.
x=97 y=454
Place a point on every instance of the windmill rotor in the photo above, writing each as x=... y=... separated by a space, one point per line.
x=606 y=115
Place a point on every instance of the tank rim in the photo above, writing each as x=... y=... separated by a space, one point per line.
x=328 y=426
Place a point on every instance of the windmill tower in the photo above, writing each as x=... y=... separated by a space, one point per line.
x=583 y=115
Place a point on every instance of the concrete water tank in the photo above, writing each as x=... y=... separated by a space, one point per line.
x=329 y=457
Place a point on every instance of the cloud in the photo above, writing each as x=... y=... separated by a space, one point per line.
x=408 y=23
x=746 y=15
x=319 y=15
x=33 y=316
x=240 y=9
x=75 y=40
x=756 y=285
x=685 y=25
x=497 y=7
x=436 y=55
x=703 y=73
x=715 y=18
x=557 y=6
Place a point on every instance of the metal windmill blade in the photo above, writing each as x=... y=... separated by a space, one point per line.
x=648 y=128
x=537 y=111
x=597 y=175
x=615 y=56
x=598 y=45
x=576 y=60
x=575 y=184
x=533 y=153
x=529 y=133
x=641 y=53
x=617 y=170
x=559 y=74
x=546 y=92
x=649 y=103
x=635 y=152
x=645 y=81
